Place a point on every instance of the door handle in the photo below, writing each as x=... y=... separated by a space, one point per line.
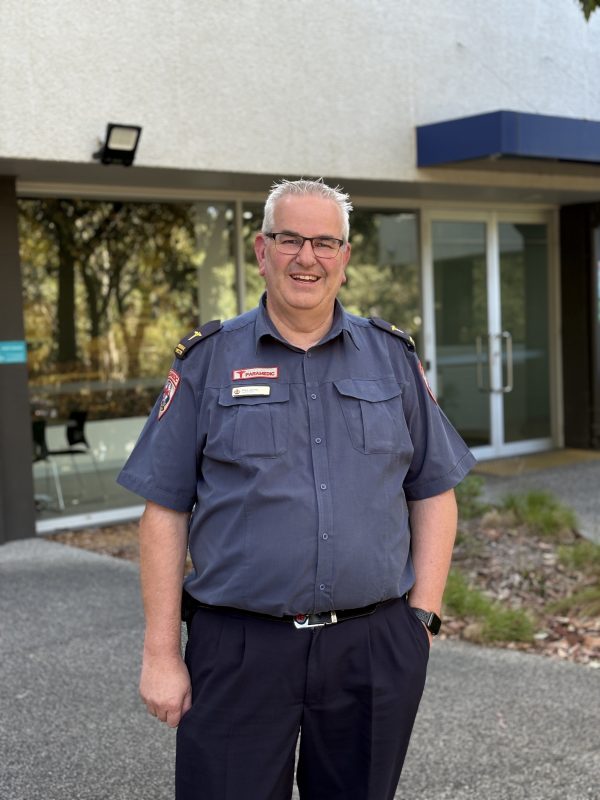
x=508 y=386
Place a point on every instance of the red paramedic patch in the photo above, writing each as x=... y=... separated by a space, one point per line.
x=424 y=376
x=254 y=372
x=168 y=392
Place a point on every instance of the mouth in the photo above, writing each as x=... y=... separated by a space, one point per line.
x=304 y=277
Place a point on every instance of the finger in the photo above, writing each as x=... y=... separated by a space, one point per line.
x=173 y=718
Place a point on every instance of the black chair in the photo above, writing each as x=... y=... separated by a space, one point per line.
x=76 y=433
x=78 y=444
x=42 y=453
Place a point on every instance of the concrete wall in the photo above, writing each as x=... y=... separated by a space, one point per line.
x=282 y=86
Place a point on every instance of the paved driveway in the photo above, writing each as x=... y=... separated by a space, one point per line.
x=493 y=724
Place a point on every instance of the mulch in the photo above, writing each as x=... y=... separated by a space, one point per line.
x=506 y=561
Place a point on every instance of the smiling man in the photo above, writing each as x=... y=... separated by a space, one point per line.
x=299 y=451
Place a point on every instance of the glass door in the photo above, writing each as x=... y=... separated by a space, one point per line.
x=461 y=325
x=523 y=259
x=490 y=333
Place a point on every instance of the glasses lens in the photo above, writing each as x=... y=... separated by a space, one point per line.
x=290 y=245
x=325 y=248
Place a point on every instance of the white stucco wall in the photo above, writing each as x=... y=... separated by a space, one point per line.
x=332 y=87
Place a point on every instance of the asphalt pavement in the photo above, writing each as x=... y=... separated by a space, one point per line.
x=493 y=725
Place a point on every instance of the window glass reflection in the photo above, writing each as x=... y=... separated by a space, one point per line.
x=383 y=273
x=109 y=289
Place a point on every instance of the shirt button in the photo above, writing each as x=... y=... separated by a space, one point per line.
x=322 y=587
x=313 y=396
x=323 y=486
x=318 y=440
x=309 y=354
x=325 y=536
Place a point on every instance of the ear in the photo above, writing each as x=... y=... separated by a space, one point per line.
x=346 y=257
x=260 y=246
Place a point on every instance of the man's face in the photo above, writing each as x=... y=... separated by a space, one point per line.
x=302 y=281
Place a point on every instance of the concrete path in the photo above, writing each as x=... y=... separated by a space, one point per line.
x=494 y=725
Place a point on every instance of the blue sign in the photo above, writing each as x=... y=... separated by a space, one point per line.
x=13 y=352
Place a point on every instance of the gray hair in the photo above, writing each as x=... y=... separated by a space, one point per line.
x=317 y=188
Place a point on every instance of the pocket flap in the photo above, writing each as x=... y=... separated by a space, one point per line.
x=372 y=391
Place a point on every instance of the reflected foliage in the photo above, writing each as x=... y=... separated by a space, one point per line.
x=383 y=273
x=109 y=288
x=254 y=284
x=588 y=7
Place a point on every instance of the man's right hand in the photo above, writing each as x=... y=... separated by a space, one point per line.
x=165 y=683
x=165 y=688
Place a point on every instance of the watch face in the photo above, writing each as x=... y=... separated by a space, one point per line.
x=435 y=623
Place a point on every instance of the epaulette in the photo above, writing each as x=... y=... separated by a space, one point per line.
x=191 y=339
x=387 y=326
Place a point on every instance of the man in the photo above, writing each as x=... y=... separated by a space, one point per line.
x=301 y=449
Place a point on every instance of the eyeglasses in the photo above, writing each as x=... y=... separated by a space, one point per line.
x=290 y=244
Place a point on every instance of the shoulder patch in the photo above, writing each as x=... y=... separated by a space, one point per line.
x=387 y=326
x=192 y=339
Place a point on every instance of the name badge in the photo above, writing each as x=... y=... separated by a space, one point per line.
x=251 y=391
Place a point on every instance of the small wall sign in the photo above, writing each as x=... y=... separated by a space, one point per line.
x=13 y=352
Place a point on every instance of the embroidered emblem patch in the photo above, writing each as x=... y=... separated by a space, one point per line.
x=168 y=392
x=251 y=391
x=426 y=382
x=254 y=372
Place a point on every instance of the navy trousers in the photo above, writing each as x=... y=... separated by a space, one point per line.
x=350 y=690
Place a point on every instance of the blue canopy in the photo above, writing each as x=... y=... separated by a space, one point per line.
x=508 y=134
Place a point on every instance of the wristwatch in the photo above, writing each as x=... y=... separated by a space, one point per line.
x=431 y=620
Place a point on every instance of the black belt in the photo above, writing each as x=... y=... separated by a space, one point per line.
x=300 y=621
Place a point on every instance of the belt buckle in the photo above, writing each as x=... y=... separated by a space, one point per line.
x=318 y=620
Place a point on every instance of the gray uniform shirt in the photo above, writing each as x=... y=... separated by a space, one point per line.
x=296 y=465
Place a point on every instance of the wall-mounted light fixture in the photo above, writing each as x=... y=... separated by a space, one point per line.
x=120 y=144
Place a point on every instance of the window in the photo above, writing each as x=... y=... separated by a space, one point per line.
x=109 y=290
x=384 y=272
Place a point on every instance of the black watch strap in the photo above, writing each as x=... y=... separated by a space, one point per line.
x=431 y=620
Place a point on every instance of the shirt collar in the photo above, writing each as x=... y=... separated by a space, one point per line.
x=340 y=325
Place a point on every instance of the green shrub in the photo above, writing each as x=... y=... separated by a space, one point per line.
x=496 y=624
x=507 y=625
x=541 y=511
x=582 y=555
x=585 y=603
x=462 y=601
x=468 y=493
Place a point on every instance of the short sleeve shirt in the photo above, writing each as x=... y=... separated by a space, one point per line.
x=296 y=466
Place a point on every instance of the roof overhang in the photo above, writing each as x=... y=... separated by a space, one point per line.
x=508 y=135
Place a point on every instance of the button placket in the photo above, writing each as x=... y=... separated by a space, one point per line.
x=316 y=419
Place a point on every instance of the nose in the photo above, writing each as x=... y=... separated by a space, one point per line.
x=306 y=254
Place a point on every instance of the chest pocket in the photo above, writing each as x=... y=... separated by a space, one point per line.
x=374 y=415
x=250 y=426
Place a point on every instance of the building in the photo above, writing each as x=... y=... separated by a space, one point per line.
x=469 y=139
